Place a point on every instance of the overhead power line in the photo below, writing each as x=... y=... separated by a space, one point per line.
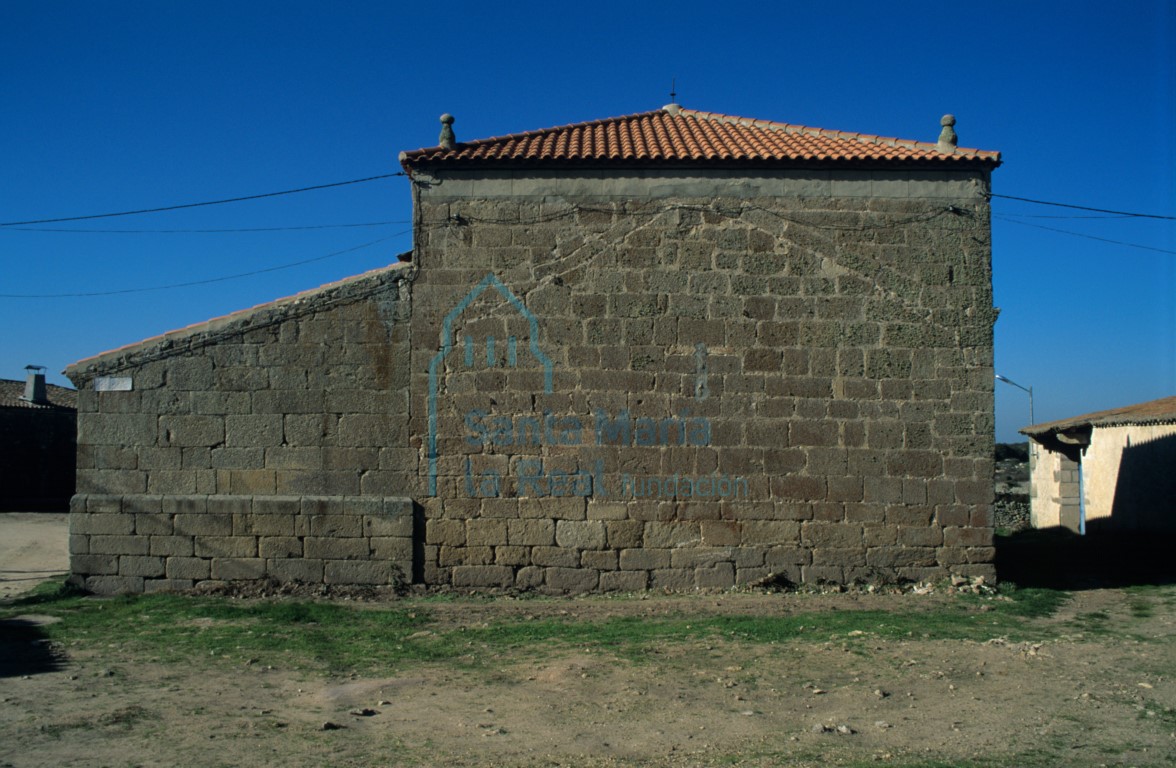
x=203 y=231
x=1080 y=234
x=198 y=205
x=207 y=281
x=1085 y=208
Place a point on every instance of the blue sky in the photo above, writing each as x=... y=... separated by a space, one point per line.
x=129 y=105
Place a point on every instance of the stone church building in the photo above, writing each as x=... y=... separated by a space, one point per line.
x=675 y=349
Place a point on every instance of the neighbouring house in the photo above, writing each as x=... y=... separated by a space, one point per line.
x=1107 y=471
x=38 y=446
x=675 y=349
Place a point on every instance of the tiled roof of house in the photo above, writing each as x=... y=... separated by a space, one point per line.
x=1162 y=411
x=674 y=135
x=12 y=394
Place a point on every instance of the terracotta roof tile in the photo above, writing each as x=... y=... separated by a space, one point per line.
x=1162 y=411
x=674 y=135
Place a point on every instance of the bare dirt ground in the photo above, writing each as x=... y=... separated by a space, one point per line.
x=1077 y=698
x=33 y=547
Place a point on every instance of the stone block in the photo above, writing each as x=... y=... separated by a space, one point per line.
x=184 y=431
x=171 y=546
x=623 y=534
x=263 y=525
x=839 y=556
x=672 y=579
x=296 y=570
x=102 y=524
x=451 y=556
x=114 y=585
x=644 y=559
x=483 y=576
x=336 y=526
x=396 y=523
x=782 y=558
x=717 y=576
x=555 y=557
x=337 y=549
x=571 y=580
x=279 y=546
x=359 y=572
x=967 y=537
x=206 y=524
x=79 y=544
x=515 y=556
x=185 y=505
x=94 y=565
x=770 y=532
x=721 y=533
x=700 y=557
x=599 y=560
x=225 y=546
x=188 y=568
x=623 y=581
x=238 y=568
x=659 y=535
x=447 y=532
x=118 y=545
x=486 y=532
x=167 y=585
x=140 y=565
x=895 y=557
x=815 y=534
x=529 y=577
x=580 y=534
x=921 y=536
x=599 y=510
x=531 y=532
x=394 y=548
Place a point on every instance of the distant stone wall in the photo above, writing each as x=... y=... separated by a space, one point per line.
x=268 y=444
x=701 y=380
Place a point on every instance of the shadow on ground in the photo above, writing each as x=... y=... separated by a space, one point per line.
x=1060 y=559
x=25 y=650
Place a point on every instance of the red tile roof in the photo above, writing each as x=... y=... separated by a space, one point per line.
x=1162 y=411
x=674 y=135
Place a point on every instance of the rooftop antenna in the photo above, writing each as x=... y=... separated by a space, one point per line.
x=673 y=90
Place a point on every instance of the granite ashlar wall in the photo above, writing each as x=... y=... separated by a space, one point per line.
x=272 y=443
x=585 y=381
x=680 y=381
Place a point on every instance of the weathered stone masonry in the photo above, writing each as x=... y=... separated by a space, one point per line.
x=612 y=376
x=839 y=324
x=267 y=444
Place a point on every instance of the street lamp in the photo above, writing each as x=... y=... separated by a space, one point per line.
x=1025 y=389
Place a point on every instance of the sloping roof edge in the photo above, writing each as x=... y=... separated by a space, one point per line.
x=670 y=121
x=1161 y=411
x=263 y=315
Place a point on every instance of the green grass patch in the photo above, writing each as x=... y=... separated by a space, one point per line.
x=340 y=636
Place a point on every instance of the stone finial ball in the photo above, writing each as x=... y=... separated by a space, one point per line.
x=447 y=118
x=947 y=120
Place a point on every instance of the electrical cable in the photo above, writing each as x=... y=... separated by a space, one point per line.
x=1080 y=234
x=202 y=231
x=198 y=205
x=208 y=281
x=1084 y=208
